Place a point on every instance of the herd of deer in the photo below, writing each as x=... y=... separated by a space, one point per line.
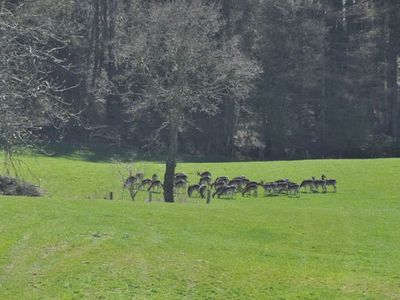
x=223 y=186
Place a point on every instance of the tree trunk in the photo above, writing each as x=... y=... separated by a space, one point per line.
x=171 y=161
x=392 y=66
x=229 y=106
x=95 y=40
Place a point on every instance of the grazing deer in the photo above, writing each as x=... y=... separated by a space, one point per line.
x=236 y=182
x=203 y=190
x=282 y=180
x=156 y=186
x=330 y=182
x=219 y=184
x=241 y=177
x=281 y=186
x=180 y=185
x=307 y=183
x=243 y=183
x=146 y=183
x=293 y=189
x=181 y=176
x=219 y=180
x=318 y=183
x=130 y=181
x=200 y=189
x=204 y=174
x=249 y=188
x=133 y=181
x=139 y=176
x=227 y=190
x=193 y=188
x=206 y=180
x=269 y=188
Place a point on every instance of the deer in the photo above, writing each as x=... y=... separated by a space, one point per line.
x=282 y=180
x=329 y=182
x=204 y=174
x=236 y=182
x=131 y=180
x=200 y=189
x=249 y=188
x=180 y=184
x=307 y=183
x=269 y=188
x=156 y=186
x=243 y=183
x=293 y=189
x=219 y=184
x=181 y=176
x=206 y=180
x=239 y=177
x=281 y=186
x=319 y=183
x=228 y=190
x=139 y=176
x=219 y=180
x=145 y=182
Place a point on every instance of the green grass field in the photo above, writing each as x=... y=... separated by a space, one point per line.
x=71 y=244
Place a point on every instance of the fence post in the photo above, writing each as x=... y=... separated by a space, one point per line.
x=111 y=196
x=208 y=196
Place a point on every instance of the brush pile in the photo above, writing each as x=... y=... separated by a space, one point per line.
x=15 y=187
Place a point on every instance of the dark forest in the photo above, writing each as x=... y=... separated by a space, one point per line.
x=299 y=79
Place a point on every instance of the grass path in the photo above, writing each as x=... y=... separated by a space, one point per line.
x=70 y=245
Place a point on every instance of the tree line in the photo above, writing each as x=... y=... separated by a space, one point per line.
x=258 y=79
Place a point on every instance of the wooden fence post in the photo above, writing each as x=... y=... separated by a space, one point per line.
x=208 y=196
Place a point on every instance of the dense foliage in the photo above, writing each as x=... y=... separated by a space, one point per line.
x=328 y=86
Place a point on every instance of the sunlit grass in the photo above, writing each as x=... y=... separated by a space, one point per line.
x=72 y=244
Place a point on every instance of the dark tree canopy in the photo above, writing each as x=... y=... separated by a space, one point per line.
x=328 y=86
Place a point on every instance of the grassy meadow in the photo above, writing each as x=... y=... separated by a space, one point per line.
x=73 y=244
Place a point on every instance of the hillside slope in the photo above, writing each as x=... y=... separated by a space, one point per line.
x=71 y=244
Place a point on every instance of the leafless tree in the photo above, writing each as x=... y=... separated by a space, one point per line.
x=184 y=66
x=29 y=93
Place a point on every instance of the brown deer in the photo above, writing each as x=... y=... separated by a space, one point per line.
x=219 y=180
x=200 y=189
x=130 y=181
x=319 y=183
x=281 y=186
x=181 y=176
x=236 y=182
x=219 y=184
x=180 y=185
x=155 y=186
x=307 y=183
x=293 y=189
x=145 y=184
x=204 y=174
x=228 y=190
x=251 y=187
x=206 y=180
x=269 y=188
x=241 y=177
x=133 y=181
x=330 y=182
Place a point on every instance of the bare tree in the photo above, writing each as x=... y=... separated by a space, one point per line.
x=184 y=67
x=29 y=93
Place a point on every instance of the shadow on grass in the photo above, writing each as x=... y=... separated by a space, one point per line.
x=105 y=153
